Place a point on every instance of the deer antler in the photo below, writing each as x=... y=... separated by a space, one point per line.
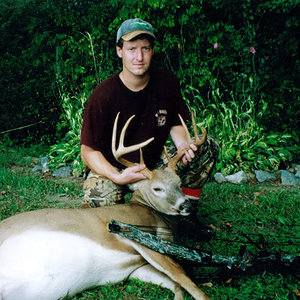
x=196 y=141
x=122 y=150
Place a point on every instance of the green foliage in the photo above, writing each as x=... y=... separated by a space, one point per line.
x=244 y=143
x=250 y=48
x=67 y=151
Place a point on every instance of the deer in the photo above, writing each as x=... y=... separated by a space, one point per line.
x=50 y=253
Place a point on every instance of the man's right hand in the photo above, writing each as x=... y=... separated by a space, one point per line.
x=130 y=175
x=97 y=162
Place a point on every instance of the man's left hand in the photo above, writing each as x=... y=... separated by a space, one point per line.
x=189 y=154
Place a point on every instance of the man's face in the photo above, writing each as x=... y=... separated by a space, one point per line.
x=136 y=56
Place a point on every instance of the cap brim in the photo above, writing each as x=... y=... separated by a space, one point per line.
x=129 y=36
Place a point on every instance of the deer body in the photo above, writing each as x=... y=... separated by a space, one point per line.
x=51 y=253
x=63 y=254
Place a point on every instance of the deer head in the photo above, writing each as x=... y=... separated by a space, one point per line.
x=162 y=188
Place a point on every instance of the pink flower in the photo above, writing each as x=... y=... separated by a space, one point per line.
x=216 y=45
x=252 y=50
x=267 y=57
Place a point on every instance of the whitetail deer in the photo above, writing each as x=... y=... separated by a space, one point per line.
x=51 y=253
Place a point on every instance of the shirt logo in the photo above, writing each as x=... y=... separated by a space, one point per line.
x=161 y=117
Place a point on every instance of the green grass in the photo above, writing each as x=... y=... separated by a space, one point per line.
x=21 y=190
x=271 y=210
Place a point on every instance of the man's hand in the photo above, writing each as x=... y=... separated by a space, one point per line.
x=97 y=162
x=130 y=175
x=189 y=154
x=179 y=138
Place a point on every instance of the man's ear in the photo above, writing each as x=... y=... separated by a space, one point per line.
x=119 y=51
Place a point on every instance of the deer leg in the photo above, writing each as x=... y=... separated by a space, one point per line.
x=172 y=269
x=148 y=273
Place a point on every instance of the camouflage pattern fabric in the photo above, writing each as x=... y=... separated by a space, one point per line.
x=196 y=173
x=99 y=191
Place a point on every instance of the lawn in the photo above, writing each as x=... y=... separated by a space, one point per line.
x=268 y=209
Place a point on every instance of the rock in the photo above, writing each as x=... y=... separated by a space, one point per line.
x=63 y=172
x=37 y=169
x=296 y=167
x=288 y=178
x=262 y=176
x=219 y=177
x=44 y=162
x=43 y=168
x=237 y=178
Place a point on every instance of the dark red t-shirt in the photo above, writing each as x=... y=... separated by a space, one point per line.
x=156 y=109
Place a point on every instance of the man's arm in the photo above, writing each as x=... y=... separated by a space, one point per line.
x=179 y=138
x=96 y=161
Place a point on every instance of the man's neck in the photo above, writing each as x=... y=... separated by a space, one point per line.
x=133 y=82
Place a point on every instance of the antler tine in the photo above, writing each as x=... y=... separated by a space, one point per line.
x=188 y=136
x=122 y=150
x=196 y=141
x=146 y=172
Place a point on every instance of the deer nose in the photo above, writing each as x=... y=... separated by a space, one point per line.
x=186 y=206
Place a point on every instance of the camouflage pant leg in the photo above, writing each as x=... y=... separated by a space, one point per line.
x=100 y=191
x=196 y=173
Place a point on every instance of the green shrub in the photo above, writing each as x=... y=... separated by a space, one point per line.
x=195 y=38
x=249 y=47
x=244 y=143
x=67 y=151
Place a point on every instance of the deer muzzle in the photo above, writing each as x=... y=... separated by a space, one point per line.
x=185 y=208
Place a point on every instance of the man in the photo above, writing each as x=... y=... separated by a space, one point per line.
x=154 y=97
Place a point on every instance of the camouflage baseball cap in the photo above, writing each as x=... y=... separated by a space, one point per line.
x=134 y=27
